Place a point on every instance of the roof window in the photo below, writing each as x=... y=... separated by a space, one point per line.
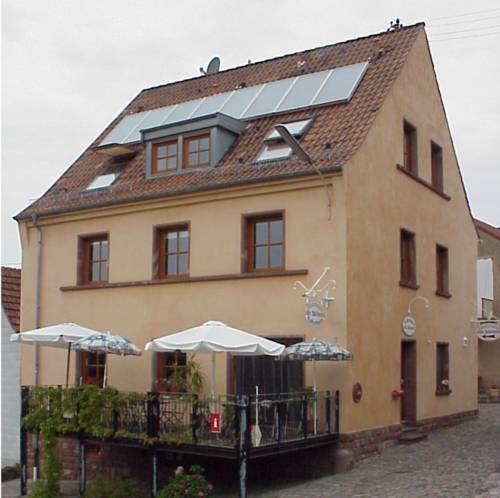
x=102 y=181
x=275 y=147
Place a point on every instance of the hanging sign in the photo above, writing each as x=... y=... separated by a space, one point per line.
x=315 y=313
x=489 y=331
x=409 y=326
x=215 y=422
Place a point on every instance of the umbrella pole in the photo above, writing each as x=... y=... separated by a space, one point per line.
x=315 y=409
x=213 y=375
x=68 y=359
x=105 y=380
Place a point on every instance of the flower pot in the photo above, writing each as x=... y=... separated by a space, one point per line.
x=494 y=392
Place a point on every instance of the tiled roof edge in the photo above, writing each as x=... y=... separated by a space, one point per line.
x=191 y=190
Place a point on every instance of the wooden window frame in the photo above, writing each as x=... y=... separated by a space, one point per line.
x=154 y=159
x=410 y=156
x=160 y=253
x=437 y=179
x=187 y=139
x=442 y=368
x=408 y=269
x=160 y=384
x=248 y=237
x=84 y=367
x=442 y=271
x=84 y=258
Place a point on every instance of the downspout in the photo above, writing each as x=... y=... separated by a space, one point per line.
x=38 y=270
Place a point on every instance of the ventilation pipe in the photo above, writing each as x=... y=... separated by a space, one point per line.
x=38 y=269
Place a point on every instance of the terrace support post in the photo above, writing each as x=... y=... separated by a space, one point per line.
x=194 y=419
x=23 y=442
x=280 y=418
x=82 y=467
x=243 y=443
x=153 y=414
x=304 y=415
x=328 y=396
x=337 y=412
x=154 y=476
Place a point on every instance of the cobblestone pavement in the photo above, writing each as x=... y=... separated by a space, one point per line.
x=459 y=462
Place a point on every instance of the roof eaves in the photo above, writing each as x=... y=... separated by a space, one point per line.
x=175 y=193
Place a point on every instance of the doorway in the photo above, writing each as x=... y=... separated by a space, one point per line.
x=409 y=382
x=271 y=375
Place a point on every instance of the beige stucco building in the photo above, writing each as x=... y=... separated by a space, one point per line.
x=382 y=204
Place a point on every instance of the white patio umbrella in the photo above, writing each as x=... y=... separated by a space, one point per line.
x=216 y=337
x=57 y=336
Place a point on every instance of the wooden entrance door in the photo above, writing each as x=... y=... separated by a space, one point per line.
x=409 y=381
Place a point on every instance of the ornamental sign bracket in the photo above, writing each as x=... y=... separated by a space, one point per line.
x=409 y=324
x=317 y=299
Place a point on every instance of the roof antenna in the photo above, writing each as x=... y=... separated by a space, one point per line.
x=395 y=25
x=212 y=68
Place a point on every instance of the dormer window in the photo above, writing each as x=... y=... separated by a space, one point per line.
x=275 y=147
x=102 y=181
x=164 y=157
x=197 y=151
x=198 y=143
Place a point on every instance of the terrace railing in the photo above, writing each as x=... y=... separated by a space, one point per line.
x=180 y=418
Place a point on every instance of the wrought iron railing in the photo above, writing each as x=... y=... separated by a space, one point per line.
x=180 y=418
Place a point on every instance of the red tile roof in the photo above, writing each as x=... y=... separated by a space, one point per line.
x=11 y=295
x=486 y=228
x=343 y=126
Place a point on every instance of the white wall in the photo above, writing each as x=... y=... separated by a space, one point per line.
x=11 y=396
x=484 y=282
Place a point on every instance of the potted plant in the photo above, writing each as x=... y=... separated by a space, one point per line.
x=494 y=391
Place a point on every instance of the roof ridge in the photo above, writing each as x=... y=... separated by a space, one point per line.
x=292 y=54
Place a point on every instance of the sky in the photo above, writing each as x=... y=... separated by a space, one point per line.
x=69 y=67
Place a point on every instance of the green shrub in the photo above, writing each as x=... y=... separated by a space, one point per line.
x=102 y=487
x=41 y=489
x=188 y=485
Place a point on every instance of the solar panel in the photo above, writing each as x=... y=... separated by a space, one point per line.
x=341 y=84
x=210 y=105
x=325 y=87
x=153 y=118
x=183 y=111
x=304 y=90
x=269 y=98
x=120 y=132
x=239 y=101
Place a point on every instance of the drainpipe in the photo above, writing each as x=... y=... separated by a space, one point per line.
x=37 y=294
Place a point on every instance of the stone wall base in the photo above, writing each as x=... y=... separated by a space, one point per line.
x=370 y=442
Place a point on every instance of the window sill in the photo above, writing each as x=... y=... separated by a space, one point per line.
x=447 y=295
x=207 y=278
x=409 y=285
x=443 y=392
x=423 y=182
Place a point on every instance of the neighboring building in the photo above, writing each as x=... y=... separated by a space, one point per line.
x=190 y=206
x=488 y=307
x=11 y=365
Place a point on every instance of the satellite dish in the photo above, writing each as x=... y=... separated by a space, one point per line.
x=213 y=66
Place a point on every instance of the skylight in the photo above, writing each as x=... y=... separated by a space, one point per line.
x=274 y=151
x=297 y=129
x=102 y=181
x=274 y=146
